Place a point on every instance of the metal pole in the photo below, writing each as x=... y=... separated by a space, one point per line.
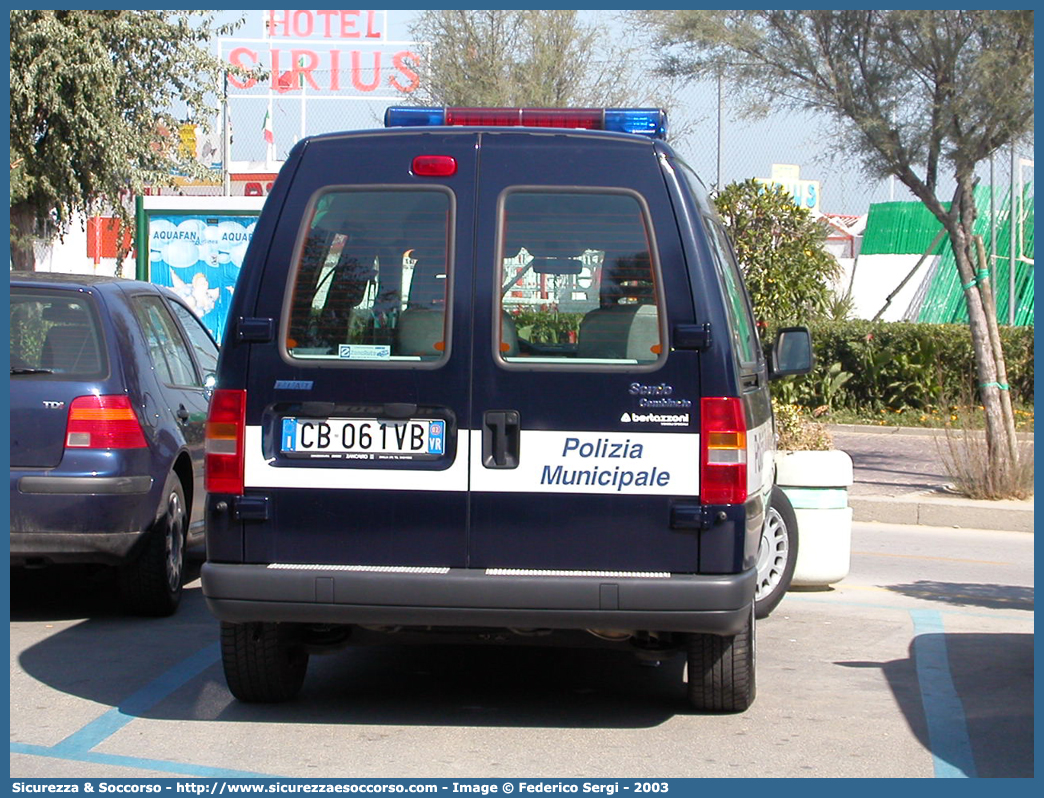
x=718 y=179
x=993 y=215
x=226 y=144
x=1012 y=213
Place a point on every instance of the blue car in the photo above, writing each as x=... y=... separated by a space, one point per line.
x=110 y=382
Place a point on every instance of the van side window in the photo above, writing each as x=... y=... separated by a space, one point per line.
x=578 y=279
x=737 y=303
x=371 y=280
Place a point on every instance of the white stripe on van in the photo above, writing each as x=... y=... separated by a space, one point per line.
x=260 y=473
x=608 y=463
x=761 y=453
x=613 y=463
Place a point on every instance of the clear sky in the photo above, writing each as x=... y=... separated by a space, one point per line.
x=748 y=149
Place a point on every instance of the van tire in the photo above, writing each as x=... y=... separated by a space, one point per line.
x=151 y=583
x=722 y=670
x=264 y=662
x=777 y=553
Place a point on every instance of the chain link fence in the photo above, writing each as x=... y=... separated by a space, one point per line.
x=722 y=147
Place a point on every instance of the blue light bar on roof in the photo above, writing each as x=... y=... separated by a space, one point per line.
x=642 y=121
x=403 y=116
x=650 y=122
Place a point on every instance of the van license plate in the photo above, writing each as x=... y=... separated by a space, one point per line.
x=363 y=438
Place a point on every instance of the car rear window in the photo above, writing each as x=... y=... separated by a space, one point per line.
x=55 y=333
x=578 y=280
x=371 y=281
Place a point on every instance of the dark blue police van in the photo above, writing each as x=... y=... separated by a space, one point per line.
x=494 y=369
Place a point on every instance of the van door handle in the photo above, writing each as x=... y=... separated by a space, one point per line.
x=501 y=434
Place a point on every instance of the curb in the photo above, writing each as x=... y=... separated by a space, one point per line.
x=934 y=432
x=944 y=511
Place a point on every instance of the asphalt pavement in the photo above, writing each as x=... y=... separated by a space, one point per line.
x=900 y=479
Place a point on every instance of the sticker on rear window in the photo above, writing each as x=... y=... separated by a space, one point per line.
x=363 y=352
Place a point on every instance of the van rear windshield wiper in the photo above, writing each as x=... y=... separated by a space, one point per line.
x=30 y=371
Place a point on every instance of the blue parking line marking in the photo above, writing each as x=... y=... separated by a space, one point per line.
x=79 y=745
x=138 y=763
x=947 y=725
x=136 y=704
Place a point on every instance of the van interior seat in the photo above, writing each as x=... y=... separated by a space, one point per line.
x=619 y=332
x=625 y=325
x=604 y=332
x=508 y=336
x=419 y=329
x=644 y=334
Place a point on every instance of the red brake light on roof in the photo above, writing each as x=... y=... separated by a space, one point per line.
x=434 y=165
x=483 y=116
x=723 y=451
x=589 y=118
x=103 y=422
x=225 y=455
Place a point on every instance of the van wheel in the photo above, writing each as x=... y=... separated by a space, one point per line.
x=150 y=584
x=777 y=553
x=722 y=670
x=263 y=662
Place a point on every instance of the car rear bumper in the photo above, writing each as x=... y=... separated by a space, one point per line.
x=716 y=604
x=78 y=519
x=85 y=486
x=107 y=548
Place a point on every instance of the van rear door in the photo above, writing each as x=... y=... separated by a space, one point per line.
x=584 y=424
x=354 y=428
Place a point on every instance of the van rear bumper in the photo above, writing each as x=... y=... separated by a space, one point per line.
x=715 y=604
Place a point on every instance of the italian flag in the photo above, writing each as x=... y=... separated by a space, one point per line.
x=269 y=136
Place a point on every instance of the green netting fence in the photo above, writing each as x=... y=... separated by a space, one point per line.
x=908 y=228
x=901 y=228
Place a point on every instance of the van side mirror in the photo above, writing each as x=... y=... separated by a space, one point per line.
x=791 y=352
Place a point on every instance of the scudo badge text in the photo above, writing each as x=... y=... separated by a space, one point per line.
x=657 y=396
x=663 y=389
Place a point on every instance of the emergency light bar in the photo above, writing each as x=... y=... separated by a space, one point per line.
x=650 y=122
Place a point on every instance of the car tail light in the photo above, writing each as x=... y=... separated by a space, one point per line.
x=226 y=424
x=723 y=451
x=103 y=422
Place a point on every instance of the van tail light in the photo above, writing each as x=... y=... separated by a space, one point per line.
x=226 y=423
x=103 y=422
x=723 y=451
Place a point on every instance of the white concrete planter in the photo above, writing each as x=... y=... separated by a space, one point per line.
x=817 y=485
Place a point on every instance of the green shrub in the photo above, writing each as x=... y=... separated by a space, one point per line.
x=901 y=365
x=781 y=249
x=797 y=431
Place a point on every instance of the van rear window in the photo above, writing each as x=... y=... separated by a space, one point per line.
x=578 y=280
x=371 y=281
